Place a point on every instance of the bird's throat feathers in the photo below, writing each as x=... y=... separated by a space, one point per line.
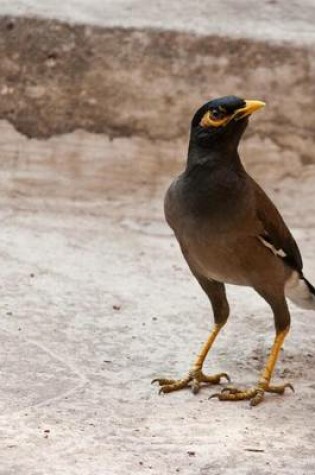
x=209 y=159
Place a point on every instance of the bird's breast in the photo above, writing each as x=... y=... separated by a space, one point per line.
x=217 y=255
x=214 y=226
x=221 y=199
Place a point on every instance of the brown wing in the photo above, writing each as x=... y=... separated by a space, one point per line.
x=276 y=231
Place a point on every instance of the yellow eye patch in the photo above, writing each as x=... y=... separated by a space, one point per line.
x=218 y=116
x=209 y=120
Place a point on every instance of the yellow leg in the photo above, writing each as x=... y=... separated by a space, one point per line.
x=206 y=347
x=273 y=357
x=195 y=376
x=256 y=394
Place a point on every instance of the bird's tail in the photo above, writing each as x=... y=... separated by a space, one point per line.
x=300 y=291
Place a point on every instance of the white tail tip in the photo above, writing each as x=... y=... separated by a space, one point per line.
x=300 y=292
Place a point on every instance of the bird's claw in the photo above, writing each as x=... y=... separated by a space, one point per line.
x=194 y=379
x=254 y=394
x=280 y=389
x=230 y=389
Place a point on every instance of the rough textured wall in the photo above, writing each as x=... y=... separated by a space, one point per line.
x=56 y=78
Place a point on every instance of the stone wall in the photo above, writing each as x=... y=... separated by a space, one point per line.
x=56 y=78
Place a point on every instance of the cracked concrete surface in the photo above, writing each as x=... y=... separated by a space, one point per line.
x=96 y=298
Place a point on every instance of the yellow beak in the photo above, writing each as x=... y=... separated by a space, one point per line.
x=250 y=107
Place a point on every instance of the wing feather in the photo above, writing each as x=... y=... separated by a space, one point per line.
x=276 y=232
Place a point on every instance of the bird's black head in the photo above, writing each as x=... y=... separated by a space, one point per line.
x=220 y=123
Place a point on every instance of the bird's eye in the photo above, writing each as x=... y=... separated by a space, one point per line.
x=216 y=114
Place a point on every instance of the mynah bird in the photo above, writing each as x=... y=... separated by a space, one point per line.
x=230 y=232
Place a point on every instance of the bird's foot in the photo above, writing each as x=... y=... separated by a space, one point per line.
x=194 y=379
x=254 y=394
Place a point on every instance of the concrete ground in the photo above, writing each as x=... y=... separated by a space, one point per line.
x=96 y=297
x=97 y=301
